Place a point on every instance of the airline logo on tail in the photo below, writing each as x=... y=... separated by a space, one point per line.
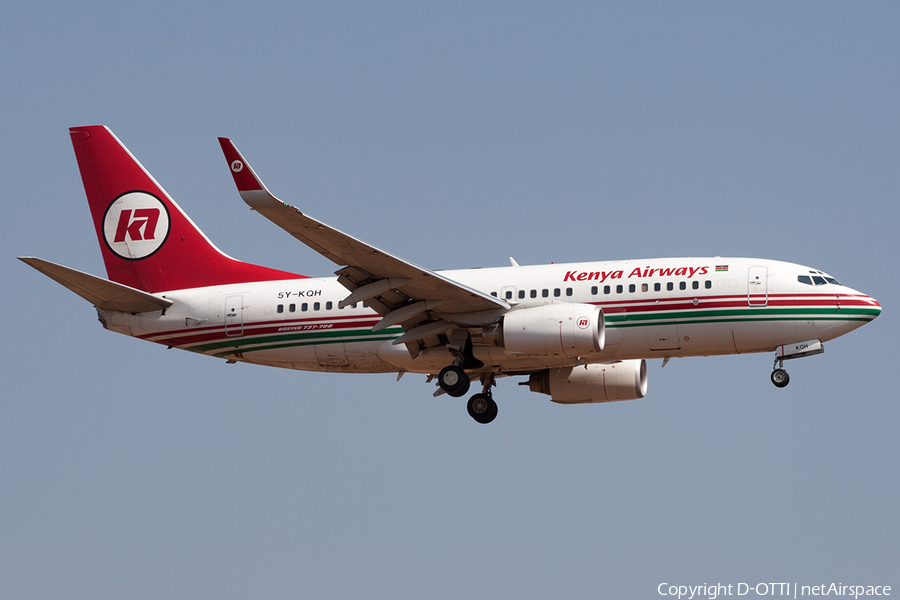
x=136 y=225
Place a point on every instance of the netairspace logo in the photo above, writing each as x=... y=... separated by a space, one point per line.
x=792 y=590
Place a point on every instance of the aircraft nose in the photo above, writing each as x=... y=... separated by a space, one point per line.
x=876 y=307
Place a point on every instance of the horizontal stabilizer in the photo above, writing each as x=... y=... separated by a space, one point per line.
x=100 y=292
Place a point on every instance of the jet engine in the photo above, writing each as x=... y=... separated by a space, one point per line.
x=565 y=329
x=625 y=380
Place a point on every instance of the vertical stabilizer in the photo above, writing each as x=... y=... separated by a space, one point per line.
x=147 y=241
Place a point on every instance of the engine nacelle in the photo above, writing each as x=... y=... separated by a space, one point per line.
x=567 y=330
x=626 y=380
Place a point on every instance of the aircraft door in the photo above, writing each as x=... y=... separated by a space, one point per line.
x=234 y=316
x=757 y=286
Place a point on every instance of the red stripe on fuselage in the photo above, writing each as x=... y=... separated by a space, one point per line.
x=740 y=301
x=182 y=338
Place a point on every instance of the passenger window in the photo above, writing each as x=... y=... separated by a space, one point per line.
x=545 y=293
x=556 y=293
x=316 y=306
x=494 y=294
x=328 y=305
x=631 y=288
x=605 y=289
x=708 y=284
x=521 y=294
x=534 y=293
x=682 y=285
x=618 y=289
x=281 y=308
x=644 y=287
x=568 y=291
x=695 y=285
x=670 y=286
x=657 y=287
x=509 y=295
x=292 y=308
x=305 y=307
x=594 y=290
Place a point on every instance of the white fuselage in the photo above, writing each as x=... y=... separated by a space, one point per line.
x=653 y=308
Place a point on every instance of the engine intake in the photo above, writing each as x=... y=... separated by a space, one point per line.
x=626 y=380
x=569 y=330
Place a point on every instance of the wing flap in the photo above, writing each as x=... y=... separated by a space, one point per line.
x=100 y=292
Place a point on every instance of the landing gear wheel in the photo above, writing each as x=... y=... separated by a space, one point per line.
x=780 y=378
x=454 y=381
x=482 y=408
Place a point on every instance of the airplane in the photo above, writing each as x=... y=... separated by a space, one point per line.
x=579 y=332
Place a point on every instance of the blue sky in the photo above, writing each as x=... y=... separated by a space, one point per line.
x=454 y=135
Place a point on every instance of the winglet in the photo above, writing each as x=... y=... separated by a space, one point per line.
x=245 y=177
x=253 y=191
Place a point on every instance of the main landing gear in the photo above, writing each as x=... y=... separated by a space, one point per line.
x=453 y=380
x=482 y=408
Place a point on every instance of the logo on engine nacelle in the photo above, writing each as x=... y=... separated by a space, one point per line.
x=583 y=322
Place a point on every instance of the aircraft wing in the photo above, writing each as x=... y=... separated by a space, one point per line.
x=389 y=284
x=100 y=292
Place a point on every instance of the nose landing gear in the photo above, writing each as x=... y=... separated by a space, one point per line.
x=780 y=377
x=789 y=351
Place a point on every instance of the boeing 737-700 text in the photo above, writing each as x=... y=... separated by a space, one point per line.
x=579 y=332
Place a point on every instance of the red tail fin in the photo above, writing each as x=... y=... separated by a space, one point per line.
x=147 y=241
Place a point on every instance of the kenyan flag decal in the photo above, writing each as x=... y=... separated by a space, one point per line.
x=721 y=268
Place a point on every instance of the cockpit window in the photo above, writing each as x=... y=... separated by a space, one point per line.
x=817 y=278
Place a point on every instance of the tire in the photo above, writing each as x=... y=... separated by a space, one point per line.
x=482 y=408
x=454 y=381
x=780 y=378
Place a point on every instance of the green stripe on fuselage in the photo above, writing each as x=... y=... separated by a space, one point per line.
x=741 y=315
x=320 y=336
